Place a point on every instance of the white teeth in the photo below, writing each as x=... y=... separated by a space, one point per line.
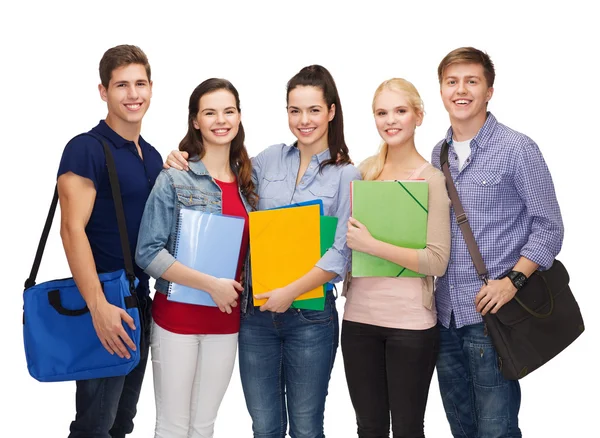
x=393 y=131
x=460 y=102
x=133 y=106
x=220 y=131
x=307 y=130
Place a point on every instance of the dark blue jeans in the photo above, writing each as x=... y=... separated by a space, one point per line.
x=285 y=365
x=479 y=402
x=106 y=407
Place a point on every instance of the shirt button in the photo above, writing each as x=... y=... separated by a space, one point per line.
x=451 y=287
x=484 y=182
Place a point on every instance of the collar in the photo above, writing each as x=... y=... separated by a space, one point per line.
x=484 y=133
x=320 y=157
x=197 y=166
x=107 y=132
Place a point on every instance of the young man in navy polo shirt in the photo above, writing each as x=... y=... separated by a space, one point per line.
x=90 y=234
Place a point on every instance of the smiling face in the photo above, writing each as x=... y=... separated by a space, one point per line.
x=309 y=116
x=465 y=93
x=395 y=117
x=218 y=118
x=127 y=96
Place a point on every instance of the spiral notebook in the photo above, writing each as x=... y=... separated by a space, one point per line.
x=209 y=243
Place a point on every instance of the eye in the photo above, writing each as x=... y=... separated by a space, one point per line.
x=209 y=113
x=121 y=85
x=472 y=81
x=230 y=112
x=381 y=113
x=315 y=110
x=141 y=84
x=451 y=82
x=401 y=111
x=293 y=111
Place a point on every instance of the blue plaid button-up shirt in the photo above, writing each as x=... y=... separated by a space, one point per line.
x=507 y=192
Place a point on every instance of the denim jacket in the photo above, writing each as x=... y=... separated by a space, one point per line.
x=173 y=190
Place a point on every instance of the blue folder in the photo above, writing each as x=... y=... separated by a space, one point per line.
x=209 y=243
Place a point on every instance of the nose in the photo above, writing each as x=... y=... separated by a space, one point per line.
x=391 y=118
x=220 y=117
x=132 y=92
x=461 y=88
x=304 y=118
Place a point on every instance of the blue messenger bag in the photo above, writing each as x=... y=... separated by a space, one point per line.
x=61 y=343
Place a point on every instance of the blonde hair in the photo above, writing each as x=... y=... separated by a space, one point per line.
x=372 y=167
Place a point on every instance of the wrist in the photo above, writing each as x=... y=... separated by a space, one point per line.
x=517 y=279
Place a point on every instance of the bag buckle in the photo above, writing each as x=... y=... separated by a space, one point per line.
x=461 y=218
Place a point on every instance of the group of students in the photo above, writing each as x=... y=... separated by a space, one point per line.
x=394 y=331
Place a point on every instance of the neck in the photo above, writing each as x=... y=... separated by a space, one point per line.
x=463 y=130
x=404 y=155
x=307 y=151
x=129 y=131
x=216 y=161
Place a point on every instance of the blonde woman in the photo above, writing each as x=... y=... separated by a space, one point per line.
x=389 y=338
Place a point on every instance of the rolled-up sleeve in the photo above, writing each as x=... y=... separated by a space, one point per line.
x=337 y=258
x=157 y=221
x=534 y=185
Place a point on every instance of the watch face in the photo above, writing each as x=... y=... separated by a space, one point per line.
x=518 y=279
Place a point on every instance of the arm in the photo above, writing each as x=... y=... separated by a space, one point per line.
x=152 y=256
x=433 y=259
x=334 y=263
x=77 y=195
x=534 y=185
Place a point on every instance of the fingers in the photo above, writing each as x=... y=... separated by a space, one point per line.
x=237 y=285
x=118 y=347
x=262 y=296
x=106 y=346
x=233 y=304
x=128 y=319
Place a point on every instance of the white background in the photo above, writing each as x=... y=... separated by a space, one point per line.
x=546 y=59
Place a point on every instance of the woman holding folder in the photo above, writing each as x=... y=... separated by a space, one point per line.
x=194 y=346
x=287 y=354
x=389 y=339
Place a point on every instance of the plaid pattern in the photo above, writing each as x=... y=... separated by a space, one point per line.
x=507 y=192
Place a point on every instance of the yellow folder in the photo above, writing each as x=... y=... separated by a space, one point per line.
x=284 y=245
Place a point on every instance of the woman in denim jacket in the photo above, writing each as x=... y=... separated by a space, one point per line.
x=193 y=347
x=286 y=355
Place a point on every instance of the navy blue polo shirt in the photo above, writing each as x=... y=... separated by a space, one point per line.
x=84 y=156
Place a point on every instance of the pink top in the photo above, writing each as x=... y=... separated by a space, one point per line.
x=407 y=303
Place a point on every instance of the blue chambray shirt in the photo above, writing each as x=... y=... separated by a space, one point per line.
x=507 y=192
x=275 y=171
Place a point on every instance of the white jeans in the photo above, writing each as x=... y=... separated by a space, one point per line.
x=191 y=375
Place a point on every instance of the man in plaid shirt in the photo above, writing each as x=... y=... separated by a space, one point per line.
x=507 y=192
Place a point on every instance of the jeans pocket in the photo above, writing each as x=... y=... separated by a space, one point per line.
x=324 y=316
x=484 y=365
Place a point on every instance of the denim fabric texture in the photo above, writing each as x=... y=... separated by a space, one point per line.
x=479 y=402
x=174 y=190
x=106 y=407
x=288 y=354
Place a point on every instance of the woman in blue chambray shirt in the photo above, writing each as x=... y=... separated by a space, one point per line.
x=286 y=355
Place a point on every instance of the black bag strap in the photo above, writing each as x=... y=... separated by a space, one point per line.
x=461 y=217
x=465 y=228
x=116 y=193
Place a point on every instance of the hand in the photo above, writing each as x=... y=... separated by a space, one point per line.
x=108 y=323
x=224 y=293
x=278 y=300
x=177 y=160
x=358 y=237
x=494 y=295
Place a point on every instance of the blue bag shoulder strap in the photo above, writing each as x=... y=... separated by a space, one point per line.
x=116 y=193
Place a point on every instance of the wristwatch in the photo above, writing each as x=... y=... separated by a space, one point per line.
x=518 y=279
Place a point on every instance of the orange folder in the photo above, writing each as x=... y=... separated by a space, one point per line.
x=284 y=245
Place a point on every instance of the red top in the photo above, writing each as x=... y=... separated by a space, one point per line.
x=190 y=319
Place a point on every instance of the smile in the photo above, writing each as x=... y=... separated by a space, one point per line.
x=392 y=131
x=133 y=106
x=221 y=131
x=462 y=102
x=306 y=131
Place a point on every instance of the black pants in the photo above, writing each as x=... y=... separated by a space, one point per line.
x=389 y=370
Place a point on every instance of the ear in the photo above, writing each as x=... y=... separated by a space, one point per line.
x=103 y=92
x=151 y=88
x=195 y=123
x=419 y=118
x=489 y=94
x=331 y=112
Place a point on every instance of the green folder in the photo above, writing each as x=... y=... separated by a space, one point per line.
x=394 y=212
x=328 y=228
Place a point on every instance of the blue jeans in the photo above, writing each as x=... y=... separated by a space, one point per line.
x=288 y=354
x=106 y=407
x=479 y=402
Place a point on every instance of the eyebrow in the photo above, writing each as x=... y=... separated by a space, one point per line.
x=310 y=107
x=212 y=109
x=396 y=107
x=126 y=82
x=467 y=77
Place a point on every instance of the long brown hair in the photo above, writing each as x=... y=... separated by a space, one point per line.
x=318 y=76
x=239 y=161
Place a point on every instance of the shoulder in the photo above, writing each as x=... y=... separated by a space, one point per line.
x=273 y=151
x=513 y=140
x=85 y=143
x=349 y=172
x=434 y=177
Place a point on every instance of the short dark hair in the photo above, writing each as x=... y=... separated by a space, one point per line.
x=469 y=55
x=120 y=56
